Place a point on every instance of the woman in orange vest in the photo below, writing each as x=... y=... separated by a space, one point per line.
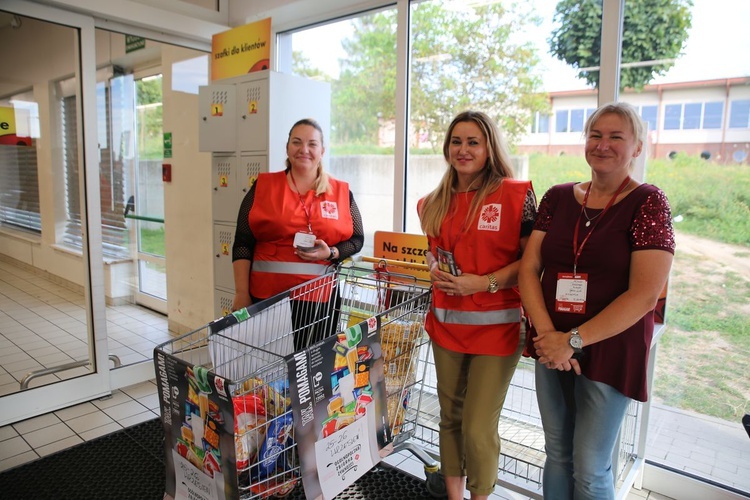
x=477 y=222
x=291 y=226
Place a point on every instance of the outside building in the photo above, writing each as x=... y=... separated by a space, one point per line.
x=708 y=117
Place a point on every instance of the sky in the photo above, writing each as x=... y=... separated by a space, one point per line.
x=718 y=45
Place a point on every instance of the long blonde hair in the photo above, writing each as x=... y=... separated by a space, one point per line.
x=437 y=203
x=321 y=180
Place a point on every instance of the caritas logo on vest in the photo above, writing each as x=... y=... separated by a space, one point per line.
x=489 y=217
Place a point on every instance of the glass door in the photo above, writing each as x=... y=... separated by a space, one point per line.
x=53 y=335
x=147 y=207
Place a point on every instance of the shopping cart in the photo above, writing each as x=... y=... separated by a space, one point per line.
x=225 y=391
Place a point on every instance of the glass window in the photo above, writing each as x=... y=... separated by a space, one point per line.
x=695 y=388
x=576 y=120
x=672 y=116
x=692 y=119
x=561 y=121
x=713 y=115
x=357 y=56
x=543 y=123
x=111 y=95
x=469 y=55
x=739 y=115
x=19 y=178
x=648 y=114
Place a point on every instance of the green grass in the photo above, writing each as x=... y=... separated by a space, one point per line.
x=152 y=241
x=707 y=199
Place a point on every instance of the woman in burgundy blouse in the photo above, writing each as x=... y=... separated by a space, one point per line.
x=603 y=250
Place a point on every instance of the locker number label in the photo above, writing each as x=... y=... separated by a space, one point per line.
x=252 y=107
x=217 y=110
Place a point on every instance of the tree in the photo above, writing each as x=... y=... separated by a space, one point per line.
x=461 y=59
x=654 y=30
x=301 y=67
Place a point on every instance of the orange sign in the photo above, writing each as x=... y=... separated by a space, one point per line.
x=241 y=50
x=403 y=247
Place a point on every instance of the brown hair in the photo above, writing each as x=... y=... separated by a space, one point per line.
x=321 y=180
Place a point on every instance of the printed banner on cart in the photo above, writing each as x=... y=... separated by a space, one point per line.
x=198 y=419
x=339 y=405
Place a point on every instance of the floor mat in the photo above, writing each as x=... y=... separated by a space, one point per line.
x=129 y=464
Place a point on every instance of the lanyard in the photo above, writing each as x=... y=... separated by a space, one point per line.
x=302 y=202
x=576 y=249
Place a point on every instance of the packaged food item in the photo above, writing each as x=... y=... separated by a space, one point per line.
x=403 y=332
x=397 y=407
x=279 y=437
x=201 y=378
x=249 y=417
x=275 y=487
x=277 y=398
x=363 y=400
x=211 y=464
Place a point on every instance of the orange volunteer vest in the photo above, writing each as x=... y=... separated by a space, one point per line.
x=481 y=323
x=276 y=216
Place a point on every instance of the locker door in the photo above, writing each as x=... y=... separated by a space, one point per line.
x=225 y=197
x=217 y=118
x=253 y=115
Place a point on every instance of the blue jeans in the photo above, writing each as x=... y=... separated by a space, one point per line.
x=581 y=420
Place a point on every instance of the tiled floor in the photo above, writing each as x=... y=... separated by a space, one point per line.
x=43 y=325
x=34 y=438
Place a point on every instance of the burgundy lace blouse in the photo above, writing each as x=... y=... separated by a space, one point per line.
x=640 y=221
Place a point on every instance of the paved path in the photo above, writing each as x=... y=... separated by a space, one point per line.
x=701 y=445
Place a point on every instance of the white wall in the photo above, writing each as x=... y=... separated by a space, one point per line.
x=187 y=210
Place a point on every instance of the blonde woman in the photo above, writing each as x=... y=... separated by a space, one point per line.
x=477 y=222
x=603 y=250
x=291 y=225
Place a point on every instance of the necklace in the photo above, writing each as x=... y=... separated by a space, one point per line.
x=589 y=219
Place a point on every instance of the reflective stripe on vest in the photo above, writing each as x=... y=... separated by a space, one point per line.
x=299 y=268
x=477 y=317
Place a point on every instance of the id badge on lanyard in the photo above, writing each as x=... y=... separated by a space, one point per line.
x=570 y=296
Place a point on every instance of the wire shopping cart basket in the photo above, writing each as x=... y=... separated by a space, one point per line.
x=226 y=390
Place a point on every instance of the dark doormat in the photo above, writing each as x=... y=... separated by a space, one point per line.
x=129 y=464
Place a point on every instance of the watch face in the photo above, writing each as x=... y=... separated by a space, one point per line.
x=576 y=342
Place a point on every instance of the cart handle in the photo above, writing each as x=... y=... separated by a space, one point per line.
x=397 y=263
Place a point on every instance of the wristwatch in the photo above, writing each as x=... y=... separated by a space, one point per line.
x=575 y=341
x=334 y=251
x=494 y=286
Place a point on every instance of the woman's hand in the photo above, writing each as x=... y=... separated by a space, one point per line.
x=463 y=284
x=241 y=300
x=571 y=364
x=321 y=251
x=554 y=351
